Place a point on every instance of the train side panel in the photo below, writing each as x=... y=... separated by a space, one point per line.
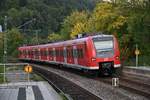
x=86 y=53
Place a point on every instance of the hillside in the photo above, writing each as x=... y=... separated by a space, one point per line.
x=48 y=13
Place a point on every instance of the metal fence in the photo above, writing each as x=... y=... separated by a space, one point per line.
x=14 y=72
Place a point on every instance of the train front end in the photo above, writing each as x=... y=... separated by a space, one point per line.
x=106 y=54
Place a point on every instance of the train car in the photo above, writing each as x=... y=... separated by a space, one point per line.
x=92 y=53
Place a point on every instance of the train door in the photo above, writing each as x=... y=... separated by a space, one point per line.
x=34 y=54
x=27 y=55
x=54 y=54
x=57 y=54
x=44 y=54
x=61 y=54
x=47 y=54
x=51 y=54
x=81 y=54
x=70 y=59
x=75 y=55
x=65 y=55
x=39 y=54
x=24 y=54
x=31 y=55
x=59 y=57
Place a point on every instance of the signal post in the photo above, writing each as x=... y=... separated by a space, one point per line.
x=137 y=52
x=28 y=70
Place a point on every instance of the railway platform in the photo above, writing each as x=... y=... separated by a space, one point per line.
x=28 y=91
x=139 y=71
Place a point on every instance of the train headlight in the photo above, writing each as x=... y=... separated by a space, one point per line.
x=93 y=59
x=117 y=57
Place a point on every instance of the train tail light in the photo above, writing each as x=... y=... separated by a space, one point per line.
x=93 y=59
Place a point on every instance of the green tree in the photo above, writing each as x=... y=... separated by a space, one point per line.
x=137 y=14
x=106 y=18
x=54 y=37
x=14 y=40
x=1 y=46
x=14 y=17
x=72 y=23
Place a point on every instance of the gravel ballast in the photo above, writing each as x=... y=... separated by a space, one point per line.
x=102 y=90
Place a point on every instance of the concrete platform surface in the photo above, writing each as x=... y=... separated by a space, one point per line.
x=28 y=91
x=141 y=70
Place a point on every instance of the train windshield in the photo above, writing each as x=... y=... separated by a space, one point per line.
x=104 y=47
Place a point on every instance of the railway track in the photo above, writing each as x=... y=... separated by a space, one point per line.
x=136 y=84
x=128 y=83
x=76 y=92
x=131 y=84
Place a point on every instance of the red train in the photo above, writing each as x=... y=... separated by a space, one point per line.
x=92 y=53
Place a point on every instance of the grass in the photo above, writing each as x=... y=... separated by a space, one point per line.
x=36 y=77
x=63 y=96
x=142 y=61
x=1 y=76
x=12 y=68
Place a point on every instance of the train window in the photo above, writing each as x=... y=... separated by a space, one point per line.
x=71 y=51
x=36 y=53
x=68 y=53
x=61 y=53
x=29 y=52
x=104 y=48
x=50 y=53
x=41 y=53
x=80 y=53
x=23 y=52
x=57 y=53
x=26 y=52
x=32 y=52
x=20 y=53
x=47 y=53
x=103 y=44
x=65 y=53
x=54 y=53
x=75 y=53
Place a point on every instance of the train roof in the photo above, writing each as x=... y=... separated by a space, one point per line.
x=68 y=42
